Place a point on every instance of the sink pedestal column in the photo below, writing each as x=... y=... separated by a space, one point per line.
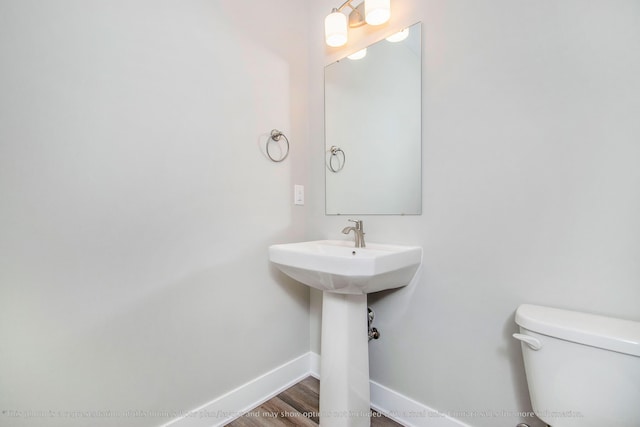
x=344 y=361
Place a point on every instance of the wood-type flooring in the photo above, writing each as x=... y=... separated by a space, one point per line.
x=296 y=406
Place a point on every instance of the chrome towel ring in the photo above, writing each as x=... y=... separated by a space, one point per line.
x=276 y=136
x=337 y=156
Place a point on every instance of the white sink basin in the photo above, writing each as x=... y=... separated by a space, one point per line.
x=337 y=266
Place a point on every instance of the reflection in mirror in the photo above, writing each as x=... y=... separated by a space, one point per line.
x=373 y=129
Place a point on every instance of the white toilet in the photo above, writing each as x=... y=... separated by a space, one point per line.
x=582 y=370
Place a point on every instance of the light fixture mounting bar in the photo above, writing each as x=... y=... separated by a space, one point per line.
x=345 y=4
x=356 y=17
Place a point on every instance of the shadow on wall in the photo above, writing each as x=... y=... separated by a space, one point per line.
x=512 y=353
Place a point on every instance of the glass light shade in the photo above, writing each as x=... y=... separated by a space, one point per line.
x=377 y=12
x=335 y=29
x=399 y=36
x=359 y=54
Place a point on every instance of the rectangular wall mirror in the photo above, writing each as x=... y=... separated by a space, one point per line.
x=373 y=130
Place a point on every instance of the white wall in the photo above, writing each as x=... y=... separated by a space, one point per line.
x=136 y=203
x=530 y=188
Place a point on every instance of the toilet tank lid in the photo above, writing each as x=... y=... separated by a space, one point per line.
x=598 y=331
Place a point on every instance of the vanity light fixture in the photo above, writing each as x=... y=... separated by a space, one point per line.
x=372 y=12
x=377 y=12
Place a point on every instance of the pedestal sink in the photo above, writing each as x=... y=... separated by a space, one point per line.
x=346 y=275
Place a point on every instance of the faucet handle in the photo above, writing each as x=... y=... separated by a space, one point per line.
x=358 y=222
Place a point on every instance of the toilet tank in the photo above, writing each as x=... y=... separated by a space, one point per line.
x=582 y=370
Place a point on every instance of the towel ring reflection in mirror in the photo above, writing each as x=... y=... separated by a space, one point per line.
x=337 y=159
x=276 y=136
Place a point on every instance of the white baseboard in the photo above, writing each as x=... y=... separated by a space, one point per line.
x=407 y=411
x=233 y=404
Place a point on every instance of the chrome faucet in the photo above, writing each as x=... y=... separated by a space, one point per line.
x=358 y=232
